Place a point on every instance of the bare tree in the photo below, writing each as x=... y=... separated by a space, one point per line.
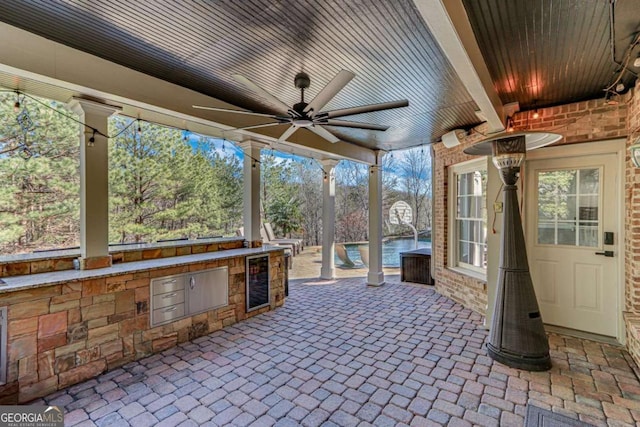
x=310 y=175
x=415 y=181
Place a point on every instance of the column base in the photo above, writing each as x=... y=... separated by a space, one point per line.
x=92 y=263
x=375 y=279
x=328 y=275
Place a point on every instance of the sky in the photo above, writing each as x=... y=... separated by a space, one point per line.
x=231 y=148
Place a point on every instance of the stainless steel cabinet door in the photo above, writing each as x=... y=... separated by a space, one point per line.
x=208 y=289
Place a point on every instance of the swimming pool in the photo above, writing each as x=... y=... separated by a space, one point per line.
x=390 y=251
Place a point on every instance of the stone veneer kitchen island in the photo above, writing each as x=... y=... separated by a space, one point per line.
x=64 y=327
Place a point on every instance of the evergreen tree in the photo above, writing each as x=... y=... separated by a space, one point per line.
x=39 y=169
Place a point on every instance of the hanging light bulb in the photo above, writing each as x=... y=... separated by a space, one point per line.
x=16 y=106
x=536 y=115
x=139 y=128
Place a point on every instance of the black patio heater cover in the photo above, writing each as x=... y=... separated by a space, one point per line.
x=517 y=337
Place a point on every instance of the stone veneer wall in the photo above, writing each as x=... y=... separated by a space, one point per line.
x=64 y=334
x=21 y=268
x=578 y=122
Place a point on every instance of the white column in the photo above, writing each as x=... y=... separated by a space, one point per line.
x=375 y=276
x=94 y=182
x=251 y=192
x=328 y=270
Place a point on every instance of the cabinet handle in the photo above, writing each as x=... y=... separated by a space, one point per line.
x=171 y=295
x=192 y=282
x=169 y=282
x=174 y=308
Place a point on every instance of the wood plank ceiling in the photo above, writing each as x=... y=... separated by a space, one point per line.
x=201 y=44
x=550 y=52
x=539 y=53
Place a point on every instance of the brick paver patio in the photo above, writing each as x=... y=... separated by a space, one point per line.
x=344 y=354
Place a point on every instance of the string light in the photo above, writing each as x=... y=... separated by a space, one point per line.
x=92 y=140
x=139 y=128
x=536 y=115
x=16 y=105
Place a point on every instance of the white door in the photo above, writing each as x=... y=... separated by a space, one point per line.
x=574 y=265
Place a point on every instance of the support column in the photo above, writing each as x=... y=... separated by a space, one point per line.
x=251 y=192
x=328 y=270
x=94 y=182
x=375 y=276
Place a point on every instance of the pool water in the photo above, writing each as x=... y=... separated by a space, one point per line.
x=390 y=251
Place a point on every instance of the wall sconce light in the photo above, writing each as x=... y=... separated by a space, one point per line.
x=635 y=152
x=509 y=124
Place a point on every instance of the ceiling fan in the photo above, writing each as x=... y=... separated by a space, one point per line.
x=310 y=115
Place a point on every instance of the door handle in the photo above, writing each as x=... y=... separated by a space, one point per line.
x=192 y=281
x=606 y=253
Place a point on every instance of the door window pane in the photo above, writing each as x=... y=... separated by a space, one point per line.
x=568 y=207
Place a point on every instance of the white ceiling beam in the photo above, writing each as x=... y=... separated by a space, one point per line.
x=449 y=24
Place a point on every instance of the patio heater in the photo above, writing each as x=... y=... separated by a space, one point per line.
x=517 y=337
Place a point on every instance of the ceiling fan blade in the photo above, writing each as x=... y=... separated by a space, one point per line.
x=329 y=91
x=357 y=125
x=287 y=133
x=319 y=130
x=365 y=109
x=258 y=126
x=282 y=107
x=226 y=110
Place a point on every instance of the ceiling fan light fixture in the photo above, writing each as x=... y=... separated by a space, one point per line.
x=303 y=122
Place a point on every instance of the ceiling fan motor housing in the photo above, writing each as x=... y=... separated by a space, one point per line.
x=302 y=80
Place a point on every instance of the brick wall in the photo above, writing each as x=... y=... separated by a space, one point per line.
x=578 y=122
x=64 y=334
x=466 y=290
x=632 y=233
